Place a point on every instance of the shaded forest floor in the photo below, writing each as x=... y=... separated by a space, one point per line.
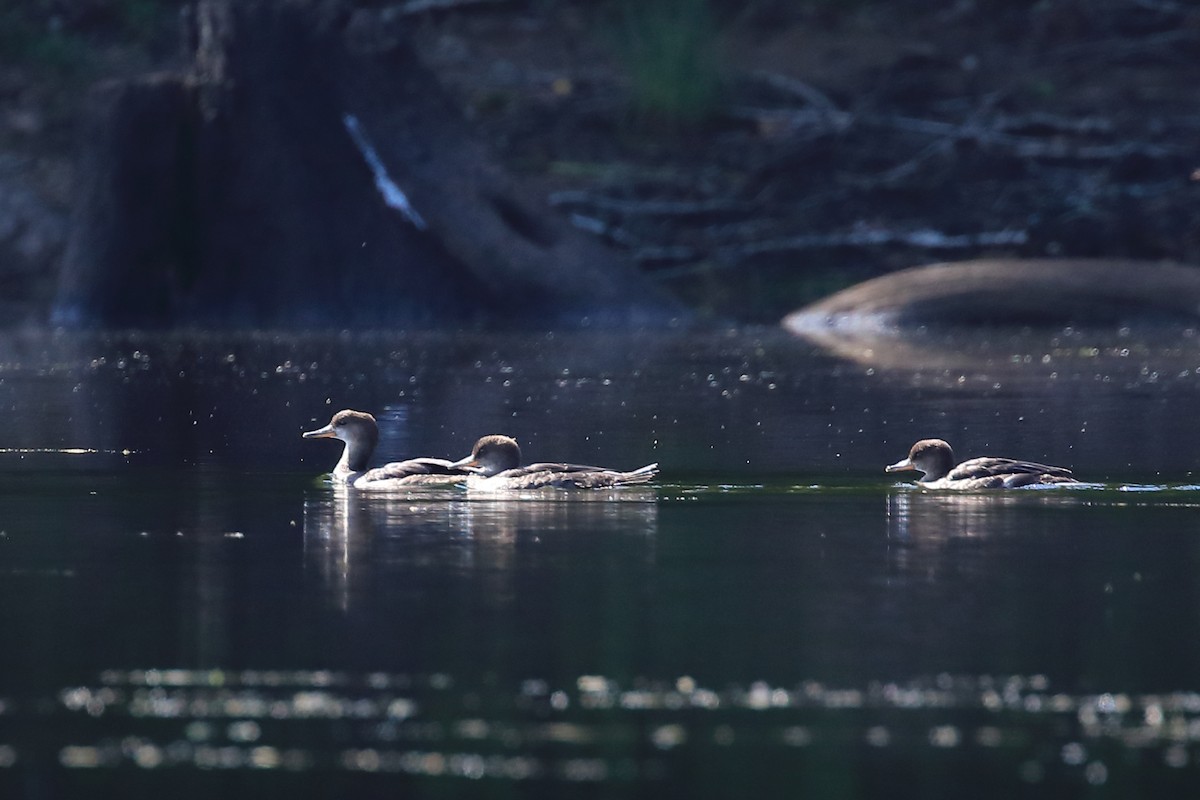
x=842 y=145
x=851 y=144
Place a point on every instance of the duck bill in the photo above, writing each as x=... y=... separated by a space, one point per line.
x=469 y=463
x=900 y=466
x=321 y=433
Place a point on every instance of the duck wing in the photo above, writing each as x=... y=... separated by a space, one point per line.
x=991 y=467
x=574 y=476
x=398 y=470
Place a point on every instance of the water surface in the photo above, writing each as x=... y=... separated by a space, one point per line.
x=186 y=607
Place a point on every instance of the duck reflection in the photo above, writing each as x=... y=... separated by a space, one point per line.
x=922 y=521
x=1011 y=355
x=352 y=539
x=915 y=516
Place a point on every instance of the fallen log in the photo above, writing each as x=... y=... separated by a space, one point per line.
x=915 y=319
x=1012 y=291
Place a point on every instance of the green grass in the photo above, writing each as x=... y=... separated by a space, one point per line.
x=33 y=34
x=142 y=19
x=26 y=38
x=669 y=51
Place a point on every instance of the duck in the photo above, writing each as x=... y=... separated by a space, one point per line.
x=360 y=433
x=495 y=464
x=935 y=459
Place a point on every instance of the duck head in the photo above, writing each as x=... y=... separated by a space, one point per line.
x=491 y=455
x=360 y=433
x=933 y=457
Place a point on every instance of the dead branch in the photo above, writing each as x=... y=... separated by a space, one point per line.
x=922 y=238
x=412 y=7
x=1064 y=151
x=1162 y=6
x=646 y=208
x=600 y=227
x=1115 y=49
x=731 y=255
x=662 y=254
x=814 y=121
x=642 y=253
x=905 y=170
x=806 y=92
x=1022 y=146
x=1085 y=126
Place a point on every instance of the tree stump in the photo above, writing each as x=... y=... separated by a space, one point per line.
x=263 y=189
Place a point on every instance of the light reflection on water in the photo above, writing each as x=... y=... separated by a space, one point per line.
x=347 y=533
x=431 y=725
x=1111 y=404
x=914 y=513
x=774 y=606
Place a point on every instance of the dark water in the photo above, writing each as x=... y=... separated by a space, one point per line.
x=185 y=609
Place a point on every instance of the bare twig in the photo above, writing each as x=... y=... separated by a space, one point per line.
x=1055 y=122
x=647 y=208
x=923 y=238
x=411 y=7
x=1024 y=146
x=603 y=228
x=590 y=224
x=1144 y=190
x=1162 y=6
x=904 y=170
x=642 y=253
x=806 y=92
x=665 y=253
x=1115 y=49
x=813 y=120
x=1030 y=148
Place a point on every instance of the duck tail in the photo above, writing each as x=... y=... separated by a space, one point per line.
x=641 y=475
